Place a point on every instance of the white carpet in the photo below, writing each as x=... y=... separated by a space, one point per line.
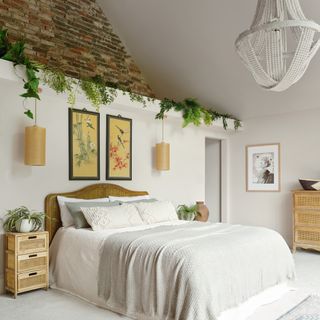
x=54 y=305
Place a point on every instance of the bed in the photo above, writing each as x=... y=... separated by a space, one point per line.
x=170 y=271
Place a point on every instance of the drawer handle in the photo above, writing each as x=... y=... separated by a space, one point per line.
x=33 y=274
x=33 y=255
x=32 y=237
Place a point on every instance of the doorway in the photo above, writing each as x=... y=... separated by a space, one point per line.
x=213 y=178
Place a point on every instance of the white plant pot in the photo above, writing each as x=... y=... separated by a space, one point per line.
x=24 y=226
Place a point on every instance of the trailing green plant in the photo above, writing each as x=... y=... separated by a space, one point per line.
x=14 y=52
x=15 y=216
x=4 y=42
x=107 y=93
x=57 y=80
x=187 y=212
x=134 y=97
x=193 y=112
x=97 y=91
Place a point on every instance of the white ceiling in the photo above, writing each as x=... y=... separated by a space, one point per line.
x=185 y=48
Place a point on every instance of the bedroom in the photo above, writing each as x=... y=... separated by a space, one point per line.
x=159 y=50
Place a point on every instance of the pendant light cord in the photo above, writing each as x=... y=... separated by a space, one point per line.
x=163 y=120
x=163 y=130
x=35 y=112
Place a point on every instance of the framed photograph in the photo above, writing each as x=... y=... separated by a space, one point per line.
x=119 y=148
x=84 y=145
x=263 y=167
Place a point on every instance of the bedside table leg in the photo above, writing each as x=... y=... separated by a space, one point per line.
x=294 y=249
x=15 y=295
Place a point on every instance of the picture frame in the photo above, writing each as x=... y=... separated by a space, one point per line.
x=263 y=168
x=119 y=148
x=84 y=145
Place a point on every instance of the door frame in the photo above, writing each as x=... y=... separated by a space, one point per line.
x=224 y=176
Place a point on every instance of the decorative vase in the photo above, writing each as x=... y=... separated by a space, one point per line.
x=24 y=225
x=203 y=212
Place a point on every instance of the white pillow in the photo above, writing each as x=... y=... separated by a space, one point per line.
x=66 y=217
x=159 y=211
x=127 y=199
x=104 y=218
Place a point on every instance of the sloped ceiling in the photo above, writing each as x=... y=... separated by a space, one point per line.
x=185 y=48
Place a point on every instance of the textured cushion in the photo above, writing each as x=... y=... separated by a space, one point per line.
x=78 y=217
x=104 y=218
x=159 y=211
x=126 y=199
x=66 y=218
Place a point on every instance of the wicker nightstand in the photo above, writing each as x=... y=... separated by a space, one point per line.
x=306 y=231
x=26 y=261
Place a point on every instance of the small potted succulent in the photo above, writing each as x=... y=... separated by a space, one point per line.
x=23 y=220
x=187 y=212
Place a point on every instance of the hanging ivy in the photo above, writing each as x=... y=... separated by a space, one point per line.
x=14 y=52
x=97 y=91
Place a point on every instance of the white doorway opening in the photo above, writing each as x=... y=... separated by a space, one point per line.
x=213 y=194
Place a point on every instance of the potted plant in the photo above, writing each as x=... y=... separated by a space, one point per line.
x=187 y=212
x=23 y=220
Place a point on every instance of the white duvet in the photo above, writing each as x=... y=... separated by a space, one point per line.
x=217 y=267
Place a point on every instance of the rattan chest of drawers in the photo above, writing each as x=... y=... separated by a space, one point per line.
x=306 y=206
x=26 y=261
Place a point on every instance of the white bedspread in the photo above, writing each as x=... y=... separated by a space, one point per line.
x=190 y=272
x=241 y=261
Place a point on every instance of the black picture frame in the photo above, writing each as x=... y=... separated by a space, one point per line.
x=109 y=176
x=72 y=175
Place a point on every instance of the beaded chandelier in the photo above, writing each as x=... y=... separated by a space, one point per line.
x=279 y=45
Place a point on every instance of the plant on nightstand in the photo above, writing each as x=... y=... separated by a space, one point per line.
x=23 y=220
x=187 y=212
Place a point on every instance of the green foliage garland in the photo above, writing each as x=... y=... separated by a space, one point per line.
x=193 y=112
x=97 y=91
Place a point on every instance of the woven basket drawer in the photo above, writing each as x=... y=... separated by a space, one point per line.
x=32 y=280
x=307 y=218
x=308 y=200
x=32 y=261
x=307 y=235
x=32 y=243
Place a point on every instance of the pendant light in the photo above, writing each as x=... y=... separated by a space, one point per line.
x=35 y=144
x=163 y=153
x=279 y=45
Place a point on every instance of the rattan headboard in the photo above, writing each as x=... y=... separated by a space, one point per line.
x=53 y=222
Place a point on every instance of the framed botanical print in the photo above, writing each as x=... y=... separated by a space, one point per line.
x=263 y=167
x=119 y=148
x=84 y=145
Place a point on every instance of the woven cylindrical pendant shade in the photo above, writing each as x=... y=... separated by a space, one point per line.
x=163 y=156
x=35 y=146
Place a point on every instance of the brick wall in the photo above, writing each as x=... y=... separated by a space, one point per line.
x=74 y=36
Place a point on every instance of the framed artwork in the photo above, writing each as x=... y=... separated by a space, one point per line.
x=119 y=148
x=263 y=167
x=84 y=145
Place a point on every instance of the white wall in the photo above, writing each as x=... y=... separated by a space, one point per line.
x=298 y=133
x=212 y=179
x=24 y=185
